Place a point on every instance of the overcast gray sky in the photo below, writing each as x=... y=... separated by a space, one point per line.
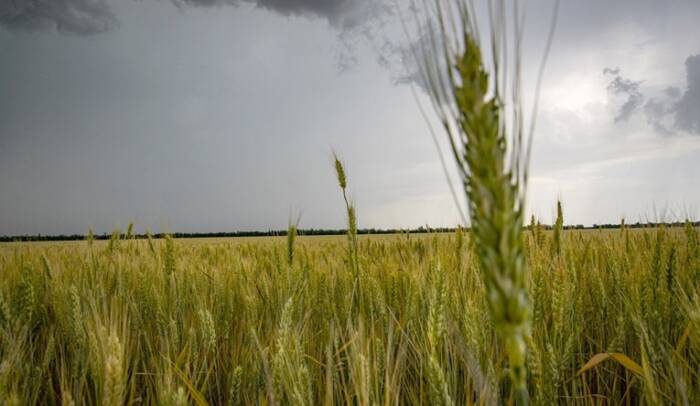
x=217 y=115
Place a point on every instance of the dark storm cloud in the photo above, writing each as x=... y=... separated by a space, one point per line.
x=676 y=109
x=627 y=89
x=408 y=60
x=87 y=17
x=82 y=17
x=658 y=110
x=340 y=13
x=687 y=110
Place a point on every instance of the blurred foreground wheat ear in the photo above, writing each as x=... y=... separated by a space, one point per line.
x=478 y=101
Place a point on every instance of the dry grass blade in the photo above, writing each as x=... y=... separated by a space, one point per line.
x=622 y=359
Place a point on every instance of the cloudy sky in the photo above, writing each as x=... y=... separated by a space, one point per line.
x=216 y=115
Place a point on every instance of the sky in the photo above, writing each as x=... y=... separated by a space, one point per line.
x=222 y=115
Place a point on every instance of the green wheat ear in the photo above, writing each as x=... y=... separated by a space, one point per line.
x=340 y=172
x=352 y=221
x=485 y=133
x=292 y=232
x=169 y=262
x=558 y=227
x=495 y=212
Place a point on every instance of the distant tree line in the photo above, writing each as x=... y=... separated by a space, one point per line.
x=309 y=231
x=225 y=234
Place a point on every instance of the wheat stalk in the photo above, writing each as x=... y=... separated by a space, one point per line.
x=352 y=226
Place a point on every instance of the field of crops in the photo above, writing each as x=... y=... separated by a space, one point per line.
x=401 y=319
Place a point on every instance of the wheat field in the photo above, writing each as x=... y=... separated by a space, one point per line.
x=615 y=319
x=499 y=313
